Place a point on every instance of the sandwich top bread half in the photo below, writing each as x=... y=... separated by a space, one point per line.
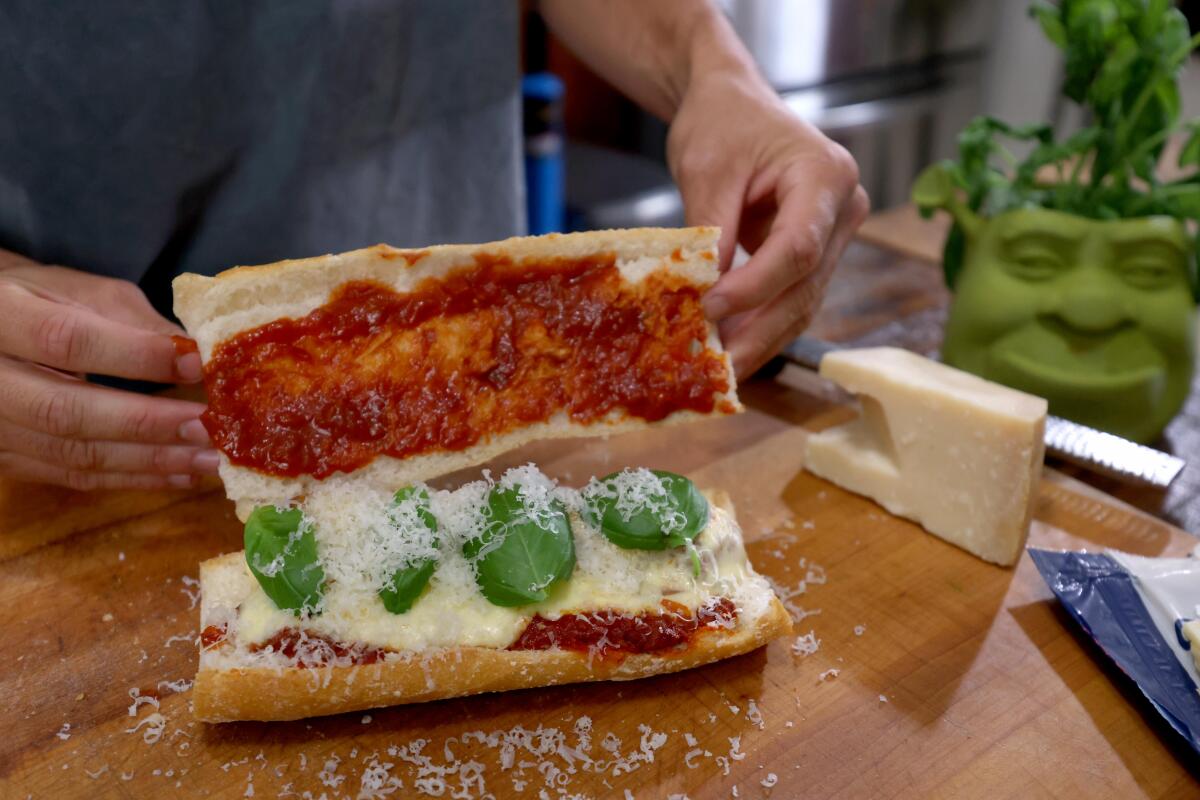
x=397 y=365
x=338 y=385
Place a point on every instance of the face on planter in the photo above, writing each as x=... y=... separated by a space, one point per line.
x=1096 y=316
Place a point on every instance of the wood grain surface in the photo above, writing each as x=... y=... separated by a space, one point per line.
x=936 y=674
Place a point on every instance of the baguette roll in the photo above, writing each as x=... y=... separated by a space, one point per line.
x=640 y=267
x=354 y=655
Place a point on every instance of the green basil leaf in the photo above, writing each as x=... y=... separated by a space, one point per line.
x=281 y=552
x=1048 y=17
x=1189 y=154
x=1194 y=272
x=934 y=187
x=672 y=519
x=520 y=558
x=407 y=583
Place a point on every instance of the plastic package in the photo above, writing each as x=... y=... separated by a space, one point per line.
x=1136 y=609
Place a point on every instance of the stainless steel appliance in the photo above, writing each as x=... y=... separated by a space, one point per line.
x=892 y=80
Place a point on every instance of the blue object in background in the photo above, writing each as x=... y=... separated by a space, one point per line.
x=1102 y=598
x=545 y=195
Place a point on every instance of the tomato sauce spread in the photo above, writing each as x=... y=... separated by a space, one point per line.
x=482 y=351
x=608 y=633
x=310 y=649
x=212 y=636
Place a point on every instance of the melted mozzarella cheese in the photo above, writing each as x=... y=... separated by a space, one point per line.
x=452 y=612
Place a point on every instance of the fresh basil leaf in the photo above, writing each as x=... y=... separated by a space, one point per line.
x=281 y=552
x=407 y=583
x=934 y=188
x=1122 y=63
x=521 y=557
x=672 y=519
x=1194 y=272
x=1189 y=154
x=1048 y=17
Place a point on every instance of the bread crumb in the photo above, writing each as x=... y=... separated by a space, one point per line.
x=883 y=698
x=108 y=617
x=366 y=720
x=770 y=780
x=64 y=732
x=859 y=630
x=829 y=674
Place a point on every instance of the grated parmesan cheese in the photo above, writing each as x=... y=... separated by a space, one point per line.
x=637 y=490
x=806 y=645
x=453 y=612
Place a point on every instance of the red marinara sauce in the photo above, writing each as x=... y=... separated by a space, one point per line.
x=482 y=351
x=311 y=649
x=212 y=636
x=608 y=633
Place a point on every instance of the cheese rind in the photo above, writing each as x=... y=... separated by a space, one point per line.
x=958 y=454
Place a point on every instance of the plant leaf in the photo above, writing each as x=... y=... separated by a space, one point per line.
x=934 y=187
x=952 y=254
x=1189 y=156
x=1049 y=17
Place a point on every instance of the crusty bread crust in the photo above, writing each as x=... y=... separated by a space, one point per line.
x=263 y=693
x=214 y=309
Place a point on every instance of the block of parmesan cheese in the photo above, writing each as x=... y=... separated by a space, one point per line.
x=956 y=453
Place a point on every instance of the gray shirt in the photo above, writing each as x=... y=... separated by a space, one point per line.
x=141 y=139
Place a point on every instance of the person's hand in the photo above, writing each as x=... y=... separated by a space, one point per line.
x=56 y=326
x=776 y=186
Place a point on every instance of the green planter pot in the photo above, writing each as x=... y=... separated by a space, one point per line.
x=1097 y=316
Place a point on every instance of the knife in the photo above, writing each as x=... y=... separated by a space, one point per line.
x=1086 y=447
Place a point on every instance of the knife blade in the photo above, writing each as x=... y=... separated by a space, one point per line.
x=1086 y=447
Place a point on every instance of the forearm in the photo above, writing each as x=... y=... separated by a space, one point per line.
x=653 y=50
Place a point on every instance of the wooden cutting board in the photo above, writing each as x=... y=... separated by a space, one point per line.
x=936 y=674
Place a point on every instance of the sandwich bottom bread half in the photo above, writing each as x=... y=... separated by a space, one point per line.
x=338 y=385
x=494 y=586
